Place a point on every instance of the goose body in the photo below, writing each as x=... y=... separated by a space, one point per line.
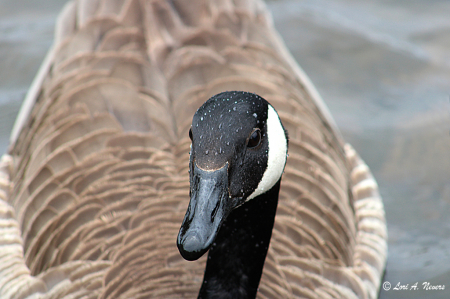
x=96 y=183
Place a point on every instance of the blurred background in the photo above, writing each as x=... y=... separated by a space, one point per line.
x=382 y=67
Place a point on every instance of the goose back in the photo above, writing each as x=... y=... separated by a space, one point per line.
x=95 y=184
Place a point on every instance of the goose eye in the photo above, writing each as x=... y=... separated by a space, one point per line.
x=255 y=138
x=190 y=133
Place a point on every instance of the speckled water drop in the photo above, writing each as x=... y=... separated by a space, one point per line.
x=206 y=152
x=255 y=115
x=234 y=108
x=201 y=118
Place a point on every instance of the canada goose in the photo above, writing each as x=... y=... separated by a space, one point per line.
x=234 y=191
x=96 y=181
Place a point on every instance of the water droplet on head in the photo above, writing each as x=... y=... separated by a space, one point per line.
x=234 y=108
x=206 y=152
x=255 y=115
x=201 y=118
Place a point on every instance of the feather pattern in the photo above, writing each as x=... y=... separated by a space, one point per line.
x=95 y=184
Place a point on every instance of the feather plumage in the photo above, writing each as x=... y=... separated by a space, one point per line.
x=95 y=184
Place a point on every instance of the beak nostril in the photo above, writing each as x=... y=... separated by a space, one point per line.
x=214 y=212
x=208 y=206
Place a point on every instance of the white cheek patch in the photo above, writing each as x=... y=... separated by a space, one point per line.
x=277 y=154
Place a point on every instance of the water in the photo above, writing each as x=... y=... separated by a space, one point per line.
x=382 y=67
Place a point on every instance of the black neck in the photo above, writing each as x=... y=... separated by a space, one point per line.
x=236 y=258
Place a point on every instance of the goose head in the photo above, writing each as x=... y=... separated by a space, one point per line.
x=238 y=153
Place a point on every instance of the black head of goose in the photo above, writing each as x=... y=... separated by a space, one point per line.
x=237 y=157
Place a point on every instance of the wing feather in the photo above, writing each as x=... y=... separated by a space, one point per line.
x=95 y=184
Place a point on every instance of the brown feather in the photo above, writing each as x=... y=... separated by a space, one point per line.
x=95 y=185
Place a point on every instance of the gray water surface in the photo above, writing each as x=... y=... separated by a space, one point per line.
x=382 y=67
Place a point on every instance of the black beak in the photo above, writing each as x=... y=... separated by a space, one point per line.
x=209 y=206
